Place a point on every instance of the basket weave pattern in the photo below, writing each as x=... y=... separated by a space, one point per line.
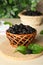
x=20 y=39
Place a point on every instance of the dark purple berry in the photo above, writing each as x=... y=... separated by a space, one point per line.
x=16 y=27
x=13 y=26
x=24 y=31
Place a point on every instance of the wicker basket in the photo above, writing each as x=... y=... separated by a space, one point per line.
x=20 y=39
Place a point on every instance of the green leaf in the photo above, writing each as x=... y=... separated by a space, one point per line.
x=2 y=12
x=35 y=48
x=33 y=5
x=8 y=23
x=8 y=8
x=15 y=9
x=21 y=49
x=10 y=1
x=41 y=32
x=23 y=5
x=12 y=12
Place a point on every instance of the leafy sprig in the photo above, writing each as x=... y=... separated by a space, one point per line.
x=41 y=32
x=11 y=8
x=35 y=48
x=5 y=23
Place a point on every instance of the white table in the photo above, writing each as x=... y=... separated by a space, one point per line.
x=7 y=61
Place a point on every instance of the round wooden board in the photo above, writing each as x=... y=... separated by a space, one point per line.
x=7 y=50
